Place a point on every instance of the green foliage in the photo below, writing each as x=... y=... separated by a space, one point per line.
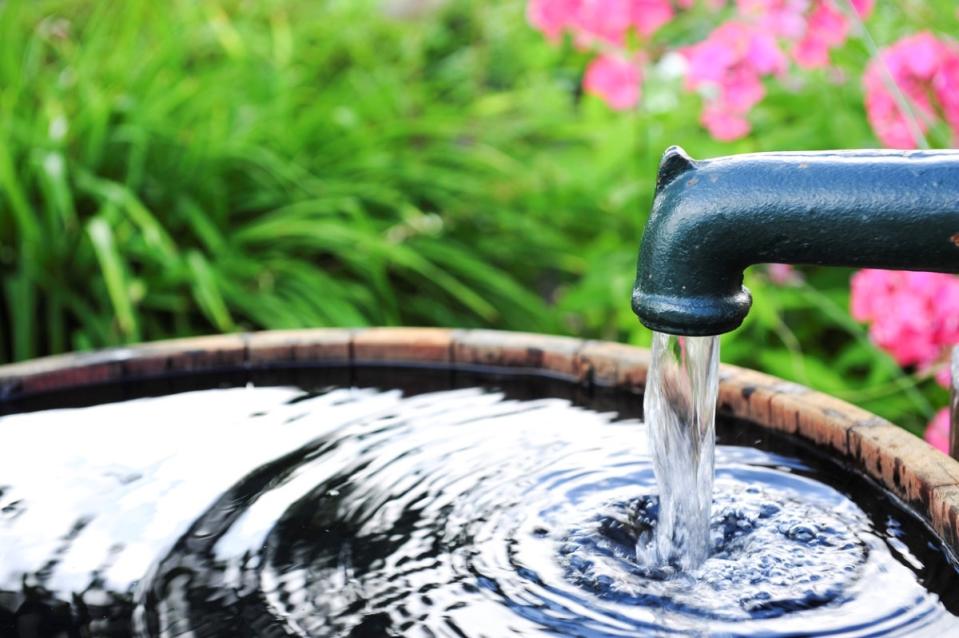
x=186 y=167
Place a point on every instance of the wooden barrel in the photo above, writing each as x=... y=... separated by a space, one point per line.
x=924 y=478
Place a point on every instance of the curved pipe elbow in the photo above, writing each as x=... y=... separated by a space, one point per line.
x=711 y=219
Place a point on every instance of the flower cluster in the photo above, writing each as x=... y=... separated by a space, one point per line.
x=617 y=79
x=926 y=71
x=599 y=21
x=615 y=75
x=727 y=68
x=914 y=316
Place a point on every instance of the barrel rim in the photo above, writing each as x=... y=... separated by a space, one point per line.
x=924 y=478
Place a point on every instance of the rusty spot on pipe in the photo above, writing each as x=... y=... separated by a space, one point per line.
x=955 y=239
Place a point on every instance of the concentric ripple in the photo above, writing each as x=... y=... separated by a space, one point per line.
x=360 y=512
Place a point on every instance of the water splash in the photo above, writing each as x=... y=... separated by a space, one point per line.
x=680 y=406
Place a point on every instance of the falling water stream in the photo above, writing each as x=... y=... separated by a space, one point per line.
x=680 y=407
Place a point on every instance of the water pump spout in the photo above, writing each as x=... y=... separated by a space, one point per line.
x=713 y=218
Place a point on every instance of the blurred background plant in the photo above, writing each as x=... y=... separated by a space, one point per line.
x=179 y=168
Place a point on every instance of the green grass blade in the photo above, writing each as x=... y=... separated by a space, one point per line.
x=114 y=276
x=206 y=291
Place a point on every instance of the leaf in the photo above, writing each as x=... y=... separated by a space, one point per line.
x=206 y=291
x=21 y=303
x=122 y=199
x=114 y=276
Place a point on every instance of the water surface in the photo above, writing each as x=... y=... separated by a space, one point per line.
x=364 y=511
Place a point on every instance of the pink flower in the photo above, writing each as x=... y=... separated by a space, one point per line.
x=610 y=21
x=763 y=54
x=944 y=377
x=827 y=28
x=709 y=60
x=945 y=84
x=863 y=7
x=918 y=56
x=724 y=125
x=815 y=26
x=733 y=45
x=926 y=70
x=552 y=17
x=730 y=64
x=937 y=432
x=783 y=18
x=914 y=316
x=782 y=274
x=887 y=121
x=614 y=79
x=605 y=21
x=650 y=15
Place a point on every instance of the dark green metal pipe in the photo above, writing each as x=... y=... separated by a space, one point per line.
x=713 y=218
